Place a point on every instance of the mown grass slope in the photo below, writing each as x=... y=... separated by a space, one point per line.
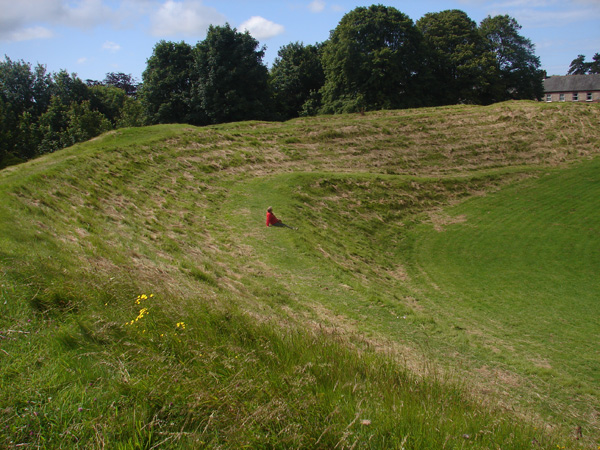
x=144 y=304
x=521 y=267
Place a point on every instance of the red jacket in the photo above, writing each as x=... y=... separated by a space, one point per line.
x=271 y=219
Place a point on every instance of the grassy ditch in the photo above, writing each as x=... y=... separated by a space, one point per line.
x=144 y=304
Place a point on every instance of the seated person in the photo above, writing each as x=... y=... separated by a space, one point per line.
x=272 y=220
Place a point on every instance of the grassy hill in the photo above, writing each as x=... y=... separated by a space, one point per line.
x=441 y=290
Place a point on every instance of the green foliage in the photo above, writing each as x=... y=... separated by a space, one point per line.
x=230 y=82
x=122 y=81
x=579 y=66
x=520 y=74
x=62 y=125
x=69 y=88
x=24 y=96
x=132 y=114
x=296 y=76
x=371 y=61
x=221 y=79
x=108 y=101
x=463 y=69
x=53 y=124
x=166 y=90
x=85 y=123
x=41 y=113
x=595 y=64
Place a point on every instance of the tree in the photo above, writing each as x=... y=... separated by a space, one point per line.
x=230 y=81
x=463 y=69
x=122 y=81
x=64 y=125
x=41 y=113
x=520 y=75
x=371 y=61
x=166 y=89
x=108 y=100
x=578 y=66
x=297 y=74
x=595 y=64
x=116 y=99
x=90 y=83
x=84 y=123
x=131 y=114
x=24 y=95
x=69 y=88
x=52 y=126
x=26 y=89
x=77 y=112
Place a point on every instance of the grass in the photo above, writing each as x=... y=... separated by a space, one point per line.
x=522 y=265
x=337 y=335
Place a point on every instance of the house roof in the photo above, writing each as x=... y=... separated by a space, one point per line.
x=572 y=83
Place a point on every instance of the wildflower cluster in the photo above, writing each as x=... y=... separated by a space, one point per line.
x=141 y=302
x=143 y=311
x=141 y=298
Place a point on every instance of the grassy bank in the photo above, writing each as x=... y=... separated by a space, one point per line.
x=144 y=304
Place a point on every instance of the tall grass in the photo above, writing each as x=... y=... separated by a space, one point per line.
x=224 y=380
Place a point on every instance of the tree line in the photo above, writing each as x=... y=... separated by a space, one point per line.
x=579 y=66
x=376 y=58
x=41 y=112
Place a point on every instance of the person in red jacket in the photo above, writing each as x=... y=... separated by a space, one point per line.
x=272 y=220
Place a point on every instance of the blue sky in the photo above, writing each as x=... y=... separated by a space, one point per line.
x=94 y=37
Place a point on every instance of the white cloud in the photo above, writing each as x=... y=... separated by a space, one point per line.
x=88 y=13
x=188 y=17
x=316 y=6
x=82 y=60
x=33 y=19
x=261 y=28
x=19 y=21
x=27 y=34
x=112 y=47
x=593 y=3
x=545 y=13
x=548 y=19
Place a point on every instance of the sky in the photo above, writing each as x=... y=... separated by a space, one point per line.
x=94 y=37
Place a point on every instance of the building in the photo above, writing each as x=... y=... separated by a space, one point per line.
x=572 y=88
